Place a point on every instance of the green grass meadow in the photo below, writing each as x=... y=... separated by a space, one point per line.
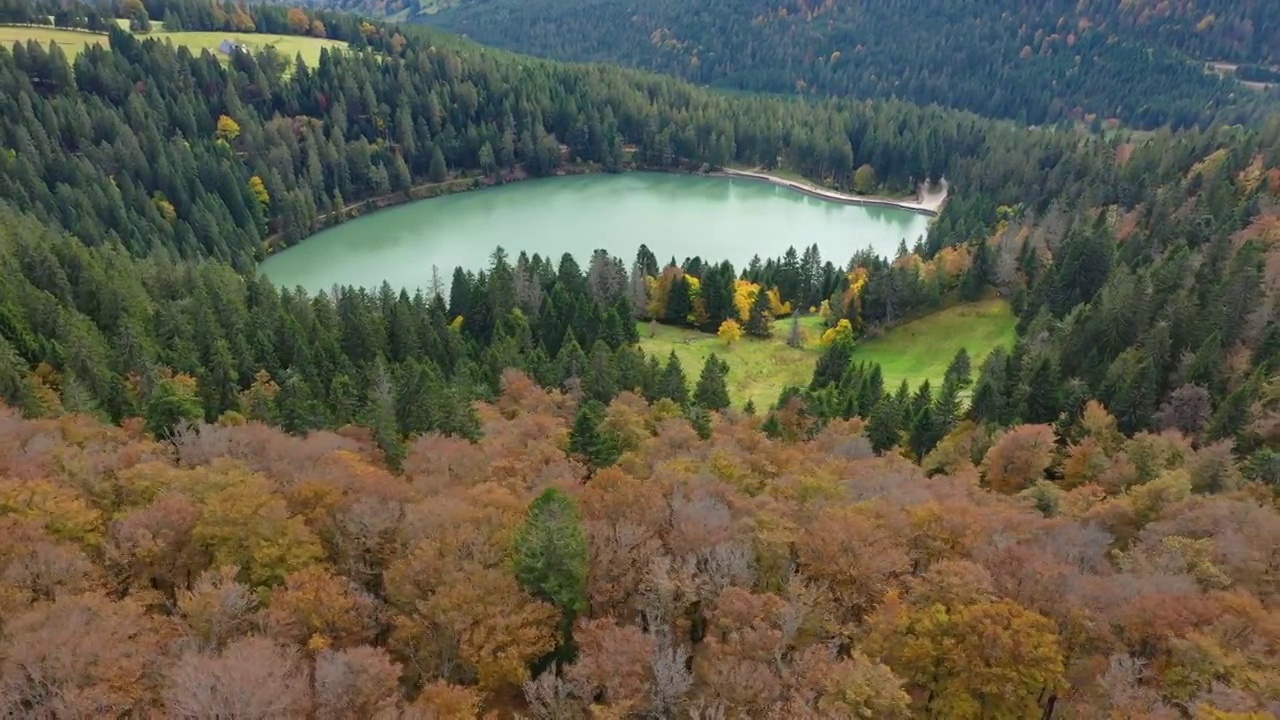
x=73 y=41
x=916 y=351
x=921 y=350
x=70 y=42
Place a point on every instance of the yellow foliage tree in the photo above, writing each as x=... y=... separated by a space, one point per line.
x=456 y=325
x=777 y=308
x=842 y=329
x=249 y=526
x=744 y=296
x=730 y=331
x=62 y=512
x=985 y=660
x=259 y=190
x=166 y=209
x=228 y=128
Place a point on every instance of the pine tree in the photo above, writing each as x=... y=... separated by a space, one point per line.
x=711 y=392
x=759 y=318
x=438 y=171
x=551 y=553
x=600 y=381
x=834 y=363
x=883 y=429
x=672 y=383
x=979 y=273
x=700 y=420
x=589 y=441
x=947 y=406
x=925 y=432
x=959 y=369
x=1040 y=401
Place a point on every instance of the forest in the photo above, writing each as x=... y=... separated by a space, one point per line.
x=1137 y=63
x=218 y=495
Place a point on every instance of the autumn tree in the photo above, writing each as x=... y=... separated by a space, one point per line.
x=986 y=660
x=864 y=179
x=228 y=128
x=1019 y=458
x=298 y=21
x=730 y=331
x=252 y=677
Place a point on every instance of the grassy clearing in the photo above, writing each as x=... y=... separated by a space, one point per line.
x=758 y=369
x=70 y=42
x=917 y=351
x=286 y=45
x=73 y=41
x=921 y=350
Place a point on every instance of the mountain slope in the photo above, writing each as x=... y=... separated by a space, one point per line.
x=1036 y=62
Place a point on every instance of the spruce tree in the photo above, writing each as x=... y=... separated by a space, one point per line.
x=959 y=369
x=700 y=419
x=758 y=320
x=551 y=557
x=600 y=381
x=438 y=171
x=672 y=383
x=711 y=392
x=591 y=442
x=883 y=429
x=833 y=363
x=925 y=432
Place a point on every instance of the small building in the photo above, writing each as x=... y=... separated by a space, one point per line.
x=229 y=46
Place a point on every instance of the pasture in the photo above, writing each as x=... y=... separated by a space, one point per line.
x=916 y=351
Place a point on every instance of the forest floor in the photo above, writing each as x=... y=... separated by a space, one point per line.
x=915 y=351
x=72 y=41
x=929 y=200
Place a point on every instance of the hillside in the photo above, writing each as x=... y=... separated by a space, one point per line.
x=1036 y=62
x=223 y=497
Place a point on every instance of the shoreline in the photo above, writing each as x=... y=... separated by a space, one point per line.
x=930 y=205
x=274 y=243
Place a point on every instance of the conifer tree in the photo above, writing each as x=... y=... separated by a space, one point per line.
x=439 y=171
x=959 y=369
x=759 y=318
x=712 y=392
x=589 y=441
x=883 y=429
x=672 y=383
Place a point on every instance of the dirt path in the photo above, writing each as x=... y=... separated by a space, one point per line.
x=929 y=199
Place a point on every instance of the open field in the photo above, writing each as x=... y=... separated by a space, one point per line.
x=921 y=350
x=72 y=41
x=917 y=351
x=286 y=45
x=758 y=369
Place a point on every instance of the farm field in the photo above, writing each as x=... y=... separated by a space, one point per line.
x=916 y=351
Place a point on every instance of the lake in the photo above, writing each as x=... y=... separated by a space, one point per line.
x=675 y=215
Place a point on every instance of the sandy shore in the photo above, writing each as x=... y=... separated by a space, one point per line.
x=929 y=202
